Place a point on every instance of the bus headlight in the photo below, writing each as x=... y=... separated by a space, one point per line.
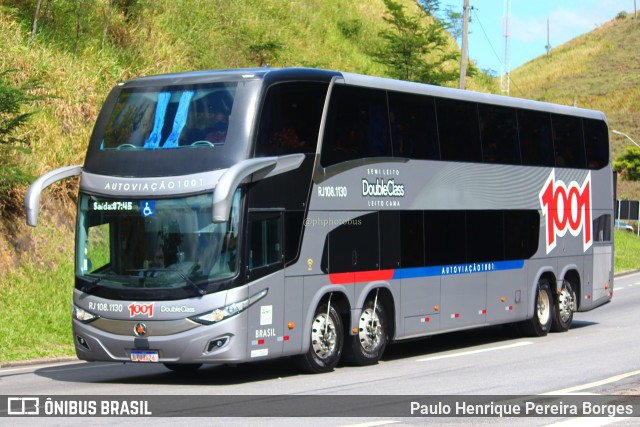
x=83 y=315
x=222 y=313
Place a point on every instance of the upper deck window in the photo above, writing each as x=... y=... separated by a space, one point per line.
x=357 y=125
x=160 y=118
x=290 y=118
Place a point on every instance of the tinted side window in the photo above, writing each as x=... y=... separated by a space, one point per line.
x=596 y=138
x=458 y=130
x=485 y=241
x=354 y=246
x=499 y=134
x=265 y=251
x=412 y=232
x=521 y=234
x=445 y=237
x=357 y=125
x=535 y=138
x=602 y=228
x=389 y=239
x=568 y=142
x=290 y=118
x=414 y=131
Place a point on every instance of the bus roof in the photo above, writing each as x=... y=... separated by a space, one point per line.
x=466 y=95
x=211 y=76
x=283 y=74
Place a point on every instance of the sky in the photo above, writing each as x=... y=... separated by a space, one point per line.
x=528 y=30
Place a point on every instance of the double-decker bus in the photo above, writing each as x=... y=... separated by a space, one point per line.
x=235 y=216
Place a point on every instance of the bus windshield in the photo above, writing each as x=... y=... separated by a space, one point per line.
x=165 y=243
x=166 y=117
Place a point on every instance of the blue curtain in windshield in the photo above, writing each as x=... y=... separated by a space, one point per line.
x=180 y=120
x=158 y=123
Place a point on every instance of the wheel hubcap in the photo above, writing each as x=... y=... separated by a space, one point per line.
x=565 y=304
x=370 y=330
x=323 y=336
x=544 y=308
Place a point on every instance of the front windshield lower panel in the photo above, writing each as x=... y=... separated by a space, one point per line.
x=178 y=117
x=155 y=245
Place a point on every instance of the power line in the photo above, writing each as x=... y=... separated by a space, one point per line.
x=506 y=45
x=475 y=14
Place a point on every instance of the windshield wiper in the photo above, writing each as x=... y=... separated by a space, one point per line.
x=148 y=272
x=88 y=287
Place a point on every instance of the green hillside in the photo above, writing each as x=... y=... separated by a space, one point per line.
x=598 y=70
x=78 y=57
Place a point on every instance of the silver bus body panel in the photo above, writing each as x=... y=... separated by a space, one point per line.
x=426 y=301
x=427 y=305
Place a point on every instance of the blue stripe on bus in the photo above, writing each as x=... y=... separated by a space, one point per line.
x=449 y=270
x=413 y=273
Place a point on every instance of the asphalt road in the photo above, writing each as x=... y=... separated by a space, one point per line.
x=599 y=355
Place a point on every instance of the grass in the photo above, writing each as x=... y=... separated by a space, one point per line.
x=596 y=71
x=36 y=265
x=627 y=251
x=35 y=314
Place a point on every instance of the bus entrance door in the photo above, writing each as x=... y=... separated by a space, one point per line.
x=265 y=270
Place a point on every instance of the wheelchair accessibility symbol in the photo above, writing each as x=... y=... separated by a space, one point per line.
x=148 y=208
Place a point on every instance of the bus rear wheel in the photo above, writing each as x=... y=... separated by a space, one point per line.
x=540 y=324
x=564 y=308
x=367 y=346
x=327 y=338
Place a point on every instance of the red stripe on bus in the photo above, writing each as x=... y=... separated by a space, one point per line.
x=360 y=276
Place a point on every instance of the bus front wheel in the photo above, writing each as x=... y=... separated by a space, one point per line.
x=540 y=324
x=327 y=337
x=367 y=346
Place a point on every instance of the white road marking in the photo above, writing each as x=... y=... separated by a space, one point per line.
x=593 y=384
x=588 y=422
x=372 y=423
x=483 y=350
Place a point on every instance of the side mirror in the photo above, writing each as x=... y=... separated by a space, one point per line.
x=32 y=199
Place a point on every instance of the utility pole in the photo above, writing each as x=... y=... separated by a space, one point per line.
x=505 y=78
x=465 y=48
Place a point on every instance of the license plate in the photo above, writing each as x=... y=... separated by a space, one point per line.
x=147 y=356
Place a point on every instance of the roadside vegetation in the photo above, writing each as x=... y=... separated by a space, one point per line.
x=627 y=251
x=79 y=49
x=600 y=71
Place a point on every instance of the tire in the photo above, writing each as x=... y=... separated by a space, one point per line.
x=563 y=308
x=183 y=367
x=327 y=339
x=540 y=324
x=367 y=346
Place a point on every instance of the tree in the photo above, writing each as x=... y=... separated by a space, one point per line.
x=34 y=25
x=415 y=47
x=107 y=23
x=13 y=100
x=629 y=164
x=79 y=12
x=453 y=22
x=431 y=7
